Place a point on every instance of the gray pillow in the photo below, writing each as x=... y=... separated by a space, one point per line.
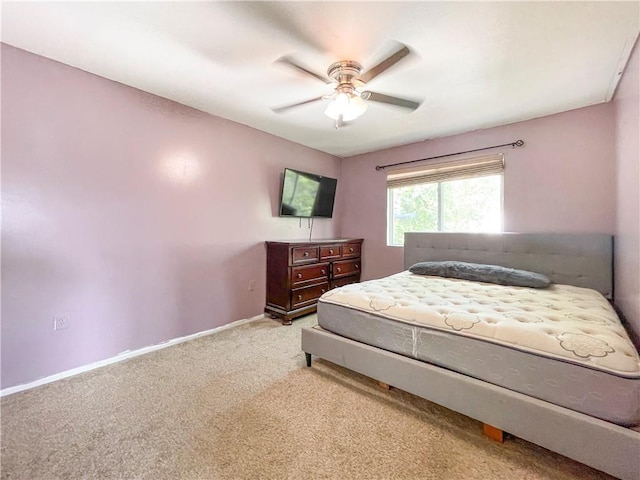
x=482 y=273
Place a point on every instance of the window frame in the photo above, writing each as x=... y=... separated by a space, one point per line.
x=390 y=210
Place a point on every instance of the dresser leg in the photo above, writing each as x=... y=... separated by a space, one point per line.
x=286 y=320
x=307 y=356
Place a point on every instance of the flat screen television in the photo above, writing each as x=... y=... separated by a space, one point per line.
x=307 y=195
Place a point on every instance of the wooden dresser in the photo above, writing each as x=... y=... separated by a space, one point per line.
x=298 y=272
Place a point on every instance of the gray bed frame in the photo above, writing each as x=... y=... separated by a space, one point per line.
x=581 y=260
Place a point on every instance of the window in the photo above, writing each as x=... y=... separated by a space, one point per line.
x=463 y=196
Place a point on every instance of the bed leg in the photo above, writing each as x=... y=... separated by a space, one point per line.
x=493 y=433
x=307 y=356
x=384 y=386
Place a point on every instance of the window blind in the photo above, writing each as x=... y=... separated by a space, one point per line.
x=439 y=172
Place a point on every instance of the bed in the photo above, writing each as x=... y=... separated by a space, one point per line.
x=575 y=398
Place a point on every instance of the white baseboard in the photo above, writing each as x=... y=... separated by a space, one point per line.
x=122 y=356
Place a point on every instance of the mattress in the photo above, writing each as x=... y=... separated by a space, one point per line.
x=562 y=344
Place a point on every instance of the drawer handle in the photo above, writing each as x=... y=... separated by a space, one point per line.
x=350 y=250
x=331 y=251
x=357 y=266
x=300 y=275
x=299 y=297
x=339 y=269
x=306 y=254
x=324 y=272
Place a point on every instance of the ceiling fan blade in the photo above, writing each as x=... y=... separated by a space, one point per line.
x=385 y=64
x=382 y=98
x=294 y=105
x=291 y=63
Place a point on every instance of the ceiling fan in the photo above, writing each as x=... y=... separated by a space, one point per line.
x=349 y=99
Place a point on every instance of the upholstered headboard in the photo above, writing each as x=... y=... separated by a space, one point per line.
x=583 y=260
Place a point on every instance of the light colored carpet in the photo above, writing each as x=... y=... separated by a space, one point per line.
x=241 y=404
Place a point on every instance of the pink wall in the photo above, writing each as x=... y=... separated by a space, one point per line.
x=142 y=219
x=627 y=252
x=562 y=180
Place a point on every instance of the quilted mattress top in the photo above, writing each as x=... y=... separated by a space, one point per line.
x=562 y=321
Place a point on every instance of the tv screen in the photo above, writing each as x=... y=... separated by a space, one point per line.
x=307 y=195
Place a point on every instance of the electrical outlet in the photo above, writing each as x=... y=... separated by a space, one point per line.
x=252 y=285
x=61 y=322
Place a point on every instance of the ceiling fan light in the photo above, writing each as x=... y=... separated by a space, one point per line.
x=342 y=100
x=337 y=105
x=356 y=107
x=332 y=110
x=346 y=106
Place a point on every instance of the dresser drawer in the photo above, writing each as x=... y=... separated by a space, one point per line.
x=345 y=268
x=344 y=281
x=308 y=295
x=301 y=255
x=350 y=250
x=330 y=252
x=309 y=273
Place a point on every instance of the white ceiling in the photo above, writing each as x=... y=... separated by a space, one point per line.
x=473 y=65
